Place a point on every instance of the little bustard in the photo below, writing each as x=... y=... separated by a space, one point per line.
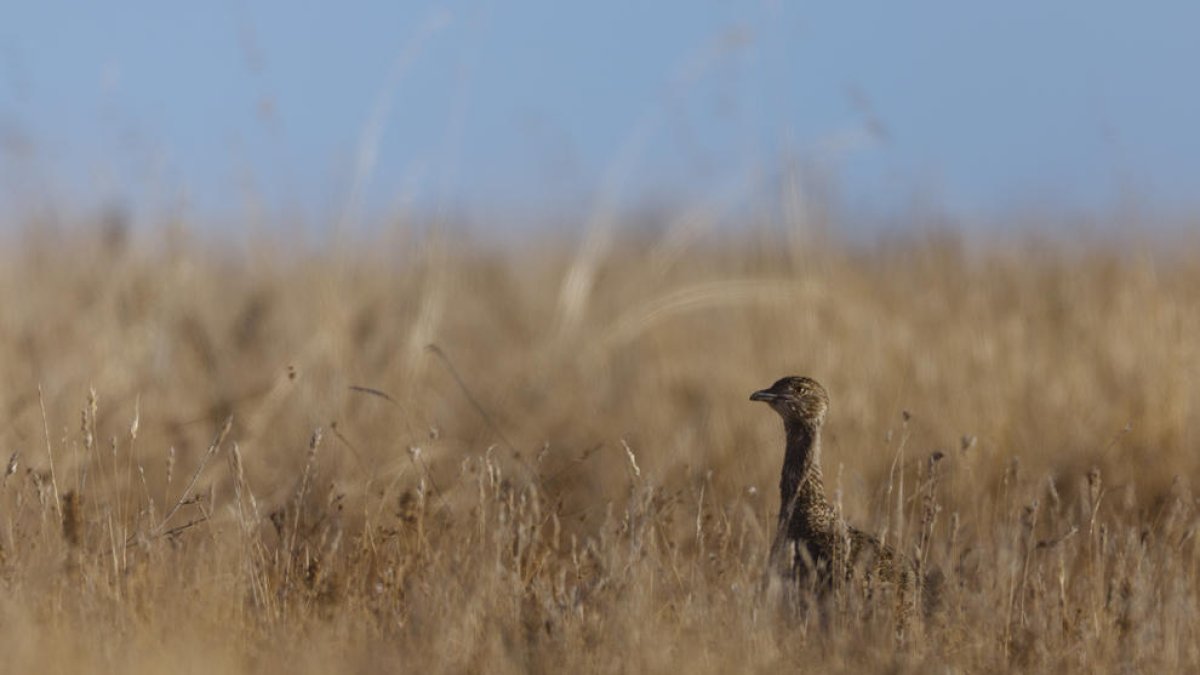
x=812 y=544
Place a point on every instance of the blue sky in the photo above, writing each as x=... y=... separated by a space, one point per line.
x=536 y=108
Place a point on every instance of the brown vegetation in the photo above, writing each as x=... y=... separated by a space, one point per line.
x=249 y=460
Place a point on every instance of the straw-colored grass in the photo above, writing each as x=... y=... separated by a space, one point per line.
x=250 y=460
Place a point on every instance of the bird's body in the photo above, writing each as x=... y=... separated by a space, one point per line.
x=813 y=544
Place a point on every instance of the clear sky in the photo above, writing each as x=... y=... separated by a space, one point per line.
x=335 y=110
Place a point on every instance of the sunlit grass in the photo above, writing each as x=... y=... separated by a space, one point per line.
x=251 y=460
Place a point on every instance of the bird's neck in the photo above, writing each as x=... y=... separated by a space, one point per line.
x=801 y=487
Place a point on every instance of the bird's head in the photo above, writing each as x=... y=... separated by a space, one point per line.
x=796 y=399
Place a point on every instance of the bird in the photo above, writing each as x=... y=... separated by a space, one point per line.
x=813 y=545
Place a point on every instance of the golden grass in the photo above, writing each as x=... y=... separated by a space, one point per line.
x=574 y=480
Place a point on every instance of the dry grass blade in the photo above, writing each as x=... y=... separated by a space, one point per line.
x=49 y=451
x=191 y=485
x=697 y=298
x=483 y=413
x=374 y=392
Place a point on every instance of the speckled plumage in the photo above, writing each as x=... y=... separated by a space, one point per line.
x=813 y=545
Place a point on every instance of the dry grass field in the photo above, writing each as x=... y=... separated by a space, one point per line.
x=249 y=458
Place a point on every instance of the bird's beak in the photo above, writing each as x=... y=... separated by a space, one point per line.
x=764 y=395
